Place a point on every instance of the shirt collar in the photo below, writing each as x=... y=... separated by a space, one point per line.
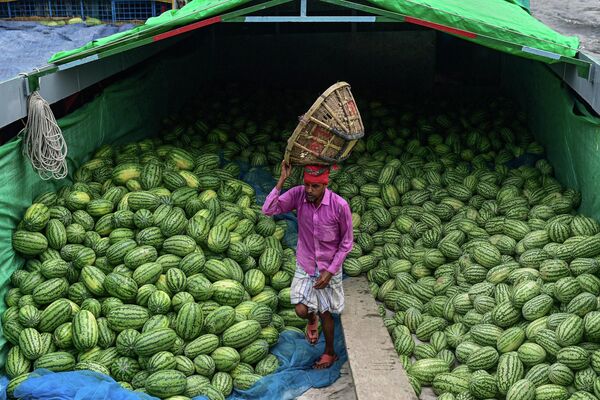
x=326 y=198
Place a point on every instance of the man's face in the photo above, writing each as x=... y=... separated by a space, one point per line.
x=314 y=191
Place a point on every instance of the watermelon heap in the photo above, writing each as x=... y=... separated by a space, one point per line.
x=156 y=267
x=487 y=275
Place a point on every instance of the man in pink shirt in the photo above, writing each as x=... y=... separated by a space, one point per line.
x=325 y=237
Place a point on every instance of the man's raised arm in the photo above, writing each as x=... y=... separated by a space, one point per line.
x=281 y=204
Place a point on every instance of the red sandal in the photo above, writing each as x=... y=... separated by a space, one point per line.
x=325 y=361
x=312 y=331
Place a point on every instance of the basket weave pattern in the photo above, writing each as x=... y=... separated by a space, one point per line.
x=328 y=131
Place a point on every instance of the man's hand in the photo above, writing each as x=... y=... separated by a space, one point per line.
x=323 y=280
x=286 y=170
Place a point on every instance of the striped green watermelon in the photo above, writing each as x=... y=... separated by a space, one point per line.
x=189 y=321
x=218 y=239
x=54 y=315
x=573 y=357
x=162 y=360
x=425 y=370
x=85 y=330
x=16 y=363
x=179 y=245
x=227 y=292
x=166 y=383
x=30 y=343
x=127 y=316
x=267 y=365
x=241 y=334
x=120 y=286
x=56 y=362
x=29 y=243
x=50 y=290
x=481 y=385
x=219 y=320
x=246 y=381
x=154 y=341
x=550 y=391
x=510 y=370
x=521 y=390
x=225 y=358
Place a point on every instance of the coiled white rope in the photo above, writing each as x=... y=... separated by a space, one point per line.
x=43 y=142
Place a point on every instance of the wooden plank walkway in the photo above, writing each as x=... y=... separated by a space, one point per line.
x=376 y=370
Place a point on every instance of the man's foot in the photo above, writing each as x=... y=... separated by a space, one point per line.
x=325 y=361
x=312 y=330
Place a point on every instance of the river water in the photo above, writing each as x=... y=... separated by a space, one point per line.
x=574 y=18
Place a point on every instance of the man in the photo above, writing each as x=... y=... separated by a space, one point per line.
x=324 y=240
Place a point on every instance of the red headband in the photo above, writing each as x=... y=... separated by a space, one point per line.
x=316 y=174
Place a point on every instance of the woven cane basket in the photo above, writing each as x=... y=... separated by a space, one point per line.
x=328 y=131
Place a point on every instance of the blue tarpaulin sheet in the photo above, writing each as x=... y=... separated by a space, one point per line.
x=263 y=182
x=28 y=45
x=294 y=376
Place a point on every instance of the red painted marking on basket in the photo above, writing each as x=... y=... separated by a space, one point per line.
x=351 y=107
x=442 y=28
x=321 y=133
x=316 y=147
x=187 y=28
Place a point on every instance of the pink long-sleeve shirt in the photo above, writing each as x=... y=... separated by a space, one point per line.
x=324 y=233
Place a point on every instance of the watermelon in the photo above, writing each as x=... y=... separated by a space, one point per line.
x=510 y=370
x=189 y=321
x=85 y=330
x=241 y=334
x=16 y=363
x=56 y=362
x=166 y=383
x=127 y=316
x=30 y=343
x=254 y=352
x=120 y=286
x=179 y=245
x=154 y=341
x=29 y=243
x=425 y=370
x=227 y=292
x=218 y=239
x=225 y=358
x=246 y=381
x=219 y=320
x=522 y=389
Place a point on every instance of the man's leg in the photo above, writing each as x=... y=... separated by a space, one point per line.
x=328 y=330
x=327 y=326
x=303 y=312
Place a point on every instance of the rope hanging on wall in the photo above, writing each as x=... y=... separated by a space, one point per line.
x=43 y=141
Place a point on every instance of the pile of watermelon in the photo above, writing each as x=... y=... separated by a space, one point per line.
x=156 y=267
x=487 y=275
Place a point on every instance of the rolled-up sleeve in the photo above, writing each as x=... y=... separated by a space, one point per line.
x=280 y=204
x=346 y=239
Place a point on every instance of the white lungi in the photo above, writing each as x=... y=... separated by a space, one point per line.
x=330 y=298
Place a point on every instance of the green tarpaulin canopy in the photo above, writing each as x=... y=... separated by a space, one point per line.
x=498 y=24
x=196 y=10
x=505 y=25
